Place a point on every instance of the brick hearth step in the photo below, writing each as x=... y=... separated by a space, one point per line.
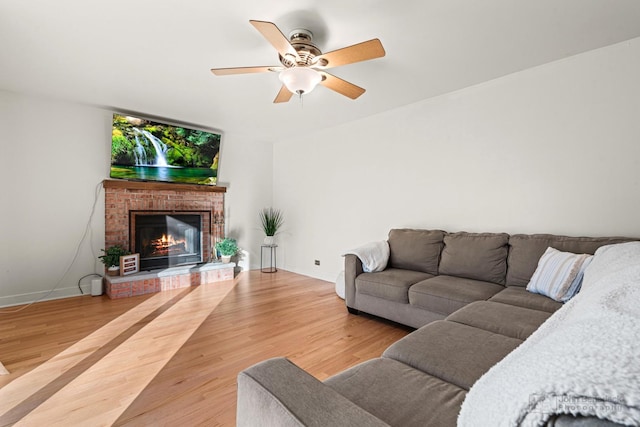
x=148 y=282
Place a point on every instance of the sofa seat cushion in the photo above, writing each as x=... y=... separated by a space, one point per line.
x=504 y=319
x=451 y=351
x=391 y=284
x=515 y=295
x=480 y=256
x=398 y=394
x=446 y=294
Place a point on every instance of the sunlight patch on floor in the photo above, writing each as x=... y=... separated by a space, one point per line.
x=101 y=393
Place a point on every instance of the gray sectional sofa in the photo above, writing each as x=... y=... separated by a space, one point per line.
x=432 y=273
x=466 y=294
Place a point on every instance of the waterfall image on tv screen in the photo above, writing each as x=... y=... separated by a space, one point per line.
x=145 y=150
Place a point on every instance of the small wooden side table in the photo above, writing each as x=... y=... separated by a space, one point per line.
x=272 y=266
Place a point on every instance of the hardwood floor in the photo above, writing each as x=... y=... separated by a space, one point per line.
x=172 y=358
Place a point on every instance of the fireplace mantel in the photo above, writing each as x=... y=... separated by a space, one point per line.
x=161 y=186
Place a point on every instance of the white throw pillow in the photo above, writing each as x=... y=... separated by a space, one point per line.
x=559 y=274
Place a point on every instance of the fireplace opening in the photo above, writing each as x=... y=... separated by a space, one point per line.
x=166 y=240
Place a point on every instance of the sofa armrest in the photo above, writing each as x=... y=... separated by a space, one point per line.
x=352 y=268
x=278 y=393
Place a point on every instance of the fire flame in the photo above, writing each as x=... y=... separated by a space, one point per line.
x=168 y=244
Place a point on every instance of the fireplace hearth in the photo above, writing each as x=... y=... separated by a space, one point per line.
x=166 y=239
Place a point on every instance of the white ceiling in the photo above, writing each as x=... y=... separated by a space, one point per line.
x=154 y=56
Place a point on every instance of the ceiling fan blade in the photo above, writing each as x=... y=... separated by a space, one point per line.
x=274 y=36
x=348 y=55
x=243 y=70
x=343 y=87
x=283 y=96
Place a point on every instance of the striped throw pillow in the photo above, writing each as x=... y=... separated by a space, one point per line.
x=559 y=274
x=577 y=282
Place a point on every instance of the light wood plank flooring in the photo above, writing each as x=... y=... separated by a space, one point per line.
x=172 y=358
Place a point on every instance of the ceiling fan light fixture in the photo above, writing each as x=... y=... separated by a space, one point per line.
x=300 y=80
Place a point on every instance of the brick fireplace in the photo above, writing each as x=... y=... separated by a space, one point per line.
x=128 y=201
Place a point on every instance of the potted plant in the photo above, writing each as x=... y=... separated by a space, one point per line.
x=111 y=259
x=227 y=248
x=271 y=219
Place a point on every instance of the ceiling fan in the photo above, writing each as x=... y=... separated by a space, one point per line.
x=303 y=65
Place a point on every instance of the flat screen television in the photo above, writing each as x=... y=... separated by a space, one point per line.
x=146 y=150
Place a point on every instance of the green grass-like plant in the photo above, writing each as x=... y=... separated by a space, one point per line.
x=271 y=219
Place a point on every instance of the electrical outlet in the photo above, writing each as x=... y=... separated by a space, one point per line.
x=317 y=262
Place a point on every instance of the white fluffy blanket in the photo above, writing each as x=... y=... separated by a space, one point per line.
x=584 y=360
x=374 y=255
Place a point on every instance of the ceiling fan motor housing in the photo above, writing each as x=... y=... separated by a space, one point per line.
x=301 y=40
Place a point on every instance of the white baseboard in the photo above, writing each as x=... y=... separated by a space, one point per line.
x=20 y=299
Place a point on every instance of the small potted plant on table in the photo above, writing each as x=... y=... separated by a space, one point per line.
x=227 y=248
x=111 y=259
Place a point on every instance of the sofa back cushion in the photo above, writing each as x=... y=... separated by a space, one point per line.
x=417 y=250
x=525 y=251
x=480 y=256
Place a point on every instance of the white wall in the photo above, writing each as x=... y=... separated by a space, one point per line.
x=53 y=158
x=53 y=155
x=553 y=149
x=246 y=169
